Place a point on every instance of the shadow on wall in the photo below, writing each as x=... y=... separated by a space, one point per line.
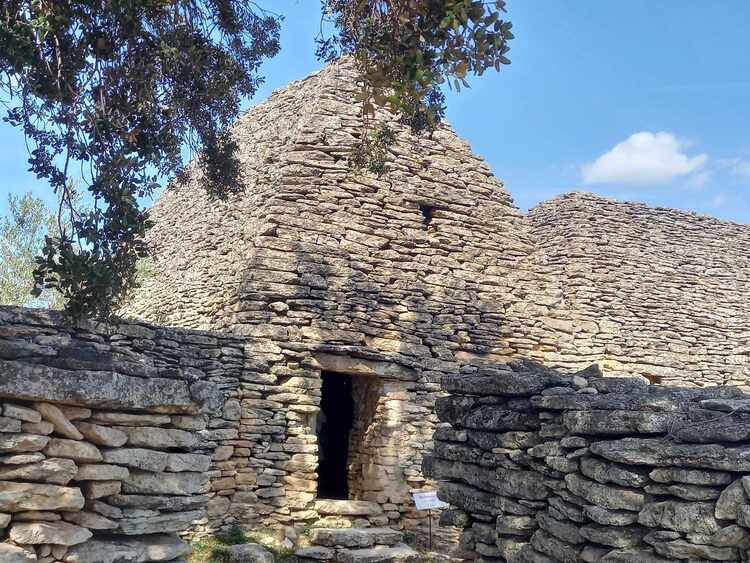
x=545 y=466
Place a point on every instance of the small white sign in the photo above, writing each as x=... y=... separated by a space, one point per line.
x=428 y=500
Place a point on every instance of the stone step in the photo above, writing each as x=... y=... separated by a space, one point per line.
x=396 y=554
x=355 y=537
x=347 y=508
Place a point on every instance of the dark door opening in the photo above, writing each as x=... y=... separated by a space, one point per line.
x=334 y=429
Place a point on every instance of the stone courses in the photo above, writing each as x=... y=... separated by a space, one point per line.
x=95 y=472
x=320 y=268
x=662 y=487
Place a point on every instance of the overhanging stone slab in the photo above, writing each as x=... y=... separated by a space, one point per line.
x=35 y=382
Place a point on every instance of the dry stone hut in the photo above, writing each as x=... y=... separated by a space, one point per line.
x=355 y=295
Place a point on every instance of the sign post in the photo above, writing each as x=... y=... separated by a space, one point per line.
x=428 y=500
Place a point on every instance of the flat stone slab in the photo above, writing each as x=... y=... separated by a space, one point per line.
x=35 y=382
x=355 y=537
x=348 y=507
x=397 y=553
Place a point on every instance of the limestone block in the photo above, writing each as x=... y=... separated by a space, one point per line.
x=19 y=443
x=158 y=438
x=9 y=424
x=605 y=496
x=21 y=459
x=692 y=517
x=21 y=413
x=690 y=476
x=137 y=458
x=102 y=435
x=130 y=419
x=44 y=428
x=16 y=497
x=666 y=453
x=90 y=520
x=36 y=382
x=169 y=522
x=606 y=472
x=61 y=424
x=101 y=472
x=157 y=547
x=141 y=482
x=82 y=452
x=730 y=500
x=188 y=462
x=99 y=489
x=13 y=554
x=58 y=533
x=52 y=470
x=250 y=553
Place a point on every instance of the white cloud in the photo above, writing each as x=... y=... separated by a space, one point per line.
x=644 y=158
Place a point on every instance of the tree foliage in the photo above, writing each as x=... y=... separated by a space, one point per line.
x=408 y=50
x=22 y=232
x=110 y=91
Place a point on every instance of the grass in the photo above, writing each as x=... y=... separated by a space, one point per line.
x=216 y=548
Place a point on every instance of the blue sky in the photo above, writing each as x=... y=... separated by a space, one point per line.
x=638 y=100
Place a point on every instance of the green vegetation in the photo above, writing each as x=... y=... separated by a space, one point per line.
x=111 y=91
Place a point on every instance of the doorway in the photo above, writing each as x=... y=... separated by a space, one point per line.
x=334 y=430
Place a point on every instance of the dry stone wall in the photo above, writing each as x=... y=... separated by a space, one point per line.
x=640 y=290
x=543 y=467
x=115 y=438
x=426 y=271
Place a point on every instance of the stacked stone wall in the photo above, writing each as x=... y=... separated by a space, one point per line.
x=640 y=290
x=543 y=467
x=423 y=272
x=113 y=438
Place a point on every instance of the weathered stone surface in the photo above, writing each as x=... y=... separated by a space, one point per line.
x=58 y=533
x=61 y=424
x=147 y=483
x=137 y=458
x=99 y=489
x=731 y=536
x=315 y=552
x=9 y=424
x=504 y=383
x=633 y=556
x=81 y=452
x=170 y=522
x=690 y=476
x=680 y=549
x=159 y=438
x=13 y=554
x=693 y=517
x=114 y=549
x=101 y=472
x=35 y=382
x=90 y=520
x=619 y=423
x=159 y=502
x=249 y=553
x=131 y=419
x=19 y=443
x=21 y=413
x=610 y=517
x=620 y=537
x=21 y=459
x=665 y=453
x=396 y=554
x=16 y=497
x=355 y=537
x=730 y=500
x=606 y=496
x=519 y=484
x=554 y=548
x=102 y=435
x=490 y=417
x=563 y=530
x=52 y=470
x=348 y=508
x=606 y=472
x=188 y=462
